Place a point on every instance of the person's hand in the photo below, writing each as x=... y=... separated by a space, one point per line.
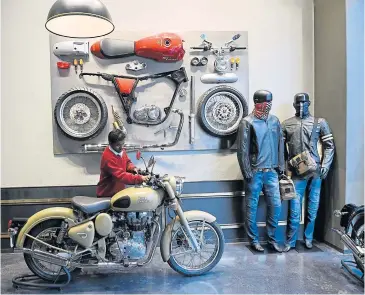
x=324 y=172
x=146 y=178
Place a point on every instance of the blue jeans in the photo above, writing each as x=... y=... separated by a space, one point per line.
x=270 y=182
x=295 y=208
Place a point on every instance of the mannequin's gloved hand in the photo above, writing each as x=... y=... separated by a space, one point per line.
x=324 y=172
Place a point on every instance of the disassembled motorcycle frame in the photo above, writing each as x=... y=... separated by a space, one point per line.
x=164 y=47
x=125 y=87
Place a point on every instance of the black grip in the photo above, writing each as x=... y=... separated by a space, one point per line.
x=240 y=47
x=200 y=47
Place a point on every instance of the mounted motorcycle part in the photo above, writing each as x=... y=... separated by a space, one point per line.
x=63 y=65
x=232 y=60
x=195 y=61
x=219 y=78
x=81 y=113
x=221 y=110
x=118 y=124
x=164 y=47
x=183 y=93
x=165 y=130
x=237 y=62
x=192 y=110
x=71 y=48
x=81 y=63
x=94 y=148
x=204 y=61
x=135 y=65
x=221 y=64
x=126 y=85
x=148 y=114
x=75 y=64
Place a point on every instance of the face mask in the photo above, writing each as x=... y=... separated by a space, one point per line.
x=262 y=110
x=302 y=109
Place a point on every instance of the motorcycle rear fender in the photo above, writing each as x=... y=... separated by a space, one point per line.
x=166 y=235
x=43 y=215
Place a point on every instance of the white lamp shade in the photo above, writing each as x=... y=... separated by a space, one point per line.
x=79 y=19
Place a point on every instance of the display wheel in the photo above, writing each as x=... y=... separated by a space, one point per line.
x=81 y=113
x=221 y=110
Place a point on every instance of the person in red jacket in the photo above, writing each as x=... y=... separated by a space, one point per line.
x=116 y=169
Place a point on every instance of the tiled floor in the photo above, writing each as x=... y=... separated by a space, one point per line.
x=239 y=271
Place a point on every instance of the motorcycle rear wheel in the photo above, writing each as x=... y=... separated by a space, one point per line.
x=180 y=238
x=357 y=235
x=41 y=268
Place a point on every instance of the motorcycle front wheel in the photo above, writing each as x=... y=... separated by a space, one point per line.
x=185 y=260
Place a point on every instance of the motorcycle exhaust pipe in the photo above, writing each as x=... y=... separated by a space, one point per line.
x=47 y=257
x=349 y=243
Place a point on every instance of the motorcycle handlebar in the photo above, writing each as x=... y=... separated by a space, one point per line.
x=199 y=47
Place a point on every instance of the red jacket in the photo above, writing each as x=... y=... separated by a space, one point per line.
x=114 y=175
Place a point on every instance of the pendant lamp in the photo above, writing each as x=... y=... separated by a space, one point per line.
x=79 y=19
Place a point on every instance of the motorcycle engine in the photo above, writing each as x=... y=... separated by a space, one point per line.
x=132 y=231
x=148 y=114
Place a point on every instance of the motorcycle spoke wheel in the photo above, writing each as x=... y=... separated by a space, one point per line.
x=185 y=256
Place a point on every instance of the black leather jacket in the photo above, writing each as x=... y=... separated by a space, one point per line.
x=297 y=137
x=260 y=144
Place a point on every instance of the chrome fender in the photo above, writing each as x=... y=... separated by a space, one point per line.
x=43 y=215
x=166 y=235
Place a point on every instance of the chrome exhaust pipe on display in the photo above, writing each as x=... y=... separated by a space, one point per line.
x=48 y=257
x=349 y=243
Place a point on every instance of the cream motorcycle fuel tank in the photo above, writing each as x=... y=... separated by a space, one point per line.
x=137 y=199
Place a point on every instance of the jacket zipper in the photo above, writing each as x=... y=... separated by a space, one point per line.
x=271 y=143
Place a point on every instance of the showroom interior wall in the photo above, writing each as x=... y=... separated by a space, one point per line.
x=280 y=60
x=339 y=89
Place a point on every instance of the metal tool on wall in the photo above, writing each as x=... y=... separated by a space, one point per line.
x=135 y=65
x=192 y=110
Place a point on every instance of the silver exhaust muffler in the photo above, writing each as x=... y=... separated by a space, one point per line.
x=349 y=243
x=47 y=257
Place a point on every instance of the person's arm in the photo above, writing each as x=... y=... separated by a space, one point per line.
x=130 y=165
x=118 y=172
x=243 y=148
x=281 y=149
x=328 y=145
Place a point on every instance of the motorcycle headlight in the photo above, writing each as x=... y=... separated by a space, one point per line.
x=179 y=185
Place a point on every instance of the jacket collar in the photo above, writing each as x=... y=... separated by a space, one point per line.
x=114 y=152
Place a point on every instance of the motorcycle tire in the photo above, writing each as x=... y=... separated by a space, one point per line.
x=29 y=260
x=358 y=226
x=81 y=113
x=224 y=116
x=190 y=273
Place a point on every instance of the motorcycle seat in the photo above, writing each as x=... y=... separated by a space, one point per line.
x=90 y=205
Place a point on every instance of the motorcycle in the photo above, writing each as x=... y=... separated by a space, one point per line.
x=122 y=231
x=352 y=220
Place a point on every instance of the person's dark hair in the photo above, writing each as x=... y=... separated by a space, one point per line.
x=115 y=136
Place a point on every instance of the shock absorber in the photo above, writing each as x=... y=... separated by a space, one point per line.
x=62 y=233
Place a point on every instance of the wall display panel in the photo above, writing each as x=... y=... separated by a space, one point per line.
x=156 y=113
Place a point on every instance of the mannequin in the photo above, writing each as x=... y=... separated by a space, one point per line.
x=298 y=137
x=260 y=155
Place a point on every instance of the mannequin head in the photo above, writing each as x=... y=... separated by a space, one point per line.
x=301 y=105
x=263 y=103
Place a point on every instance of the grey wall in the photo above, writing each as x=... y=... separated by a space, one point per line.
x=355 y=101
x=338 y=59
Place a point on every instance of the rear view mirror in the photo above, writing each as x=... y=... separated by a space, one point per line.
x=138 y=155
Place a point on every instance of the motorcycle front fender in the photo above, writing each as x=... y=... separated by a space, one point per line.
x=166 y=235
x=43 y=215
x=358 y=213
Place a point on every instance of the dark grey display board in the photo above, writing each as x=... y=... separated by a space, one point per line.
x=158 y=92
